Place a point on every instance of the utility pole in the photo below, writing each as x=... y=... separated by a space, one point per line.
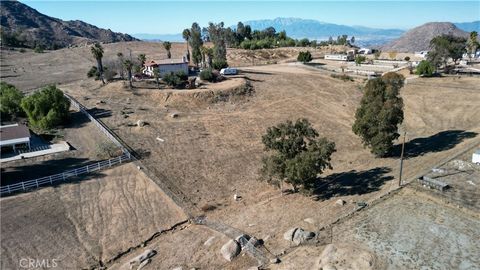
x=401 y=160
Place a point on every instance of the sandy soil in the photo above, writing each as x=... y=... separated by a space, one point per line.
x=94 y=219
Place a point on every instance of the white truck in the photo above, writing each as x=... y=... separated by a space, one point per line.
x=228 y=71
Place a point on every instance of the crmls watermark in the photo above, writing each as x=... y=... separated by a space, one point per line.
x=31 y=263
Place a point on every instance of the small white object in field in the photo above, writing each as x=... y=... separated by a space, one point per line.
x=139 y=168
x=340 y=202
x=174 y=115
x=160 y=139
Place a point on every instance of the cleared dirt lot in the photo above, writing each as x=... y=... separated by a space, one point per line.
x=410 y=231
x=83 y=223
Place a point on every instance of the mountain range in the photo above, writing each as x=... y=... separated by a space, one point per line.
x=312 y=29
x=35 y=28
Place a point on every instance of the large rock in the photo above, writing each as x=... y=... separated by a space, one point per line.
x=288 y=235
x=301 y=236
x=230 y=250
x=242 y=240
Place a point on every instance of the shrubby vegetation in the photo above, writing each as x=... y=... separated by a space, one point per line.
x=207 y=75
x=46 y=108
x=380 y=113
x=304 y=57
x=10 y=99
x=296 y=154
x=359 y=59
x=425 y=68
x=175 y=80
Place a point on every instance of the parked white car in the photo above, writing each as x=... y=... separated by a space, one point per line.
x=228 y=71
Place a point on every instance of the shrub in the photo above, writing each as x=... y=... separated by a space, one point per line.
x=407 y=58
x=425 y=68
x=38 y=49
x=175 y=80
x=207 y=75
x=22 y=50
x=46 y=108
x=343 y=77
x=109 y=73
x=93 y=72
x=360 y=59
x=304 y=57
x=10 y=99
x=219 y=64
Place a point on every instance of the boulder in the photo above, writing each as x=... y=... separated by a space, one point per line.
x=288 y=235
x=254 y=242
x=301 y=236
x=242 y=240
x=141 y=123
x=340 y=202
x=230 y=250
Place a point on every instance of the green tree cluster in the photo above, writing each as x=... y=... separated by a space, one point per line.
x=46 y=108
x=380 y=113
x=175 y=80
x=296 y=154
x=10 y=99
x=445 y=47
x=304 y=57
x=425 y=68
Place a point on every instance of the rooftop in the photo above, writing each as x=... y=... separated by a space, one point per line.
x=166 y=62
x=12 y=132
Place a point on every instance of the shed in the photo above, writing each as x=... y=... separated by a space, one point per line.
x=13 y=135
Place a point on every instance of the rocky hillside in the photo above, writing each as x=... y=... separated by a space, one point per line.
x=24 y=26
x=418 y=38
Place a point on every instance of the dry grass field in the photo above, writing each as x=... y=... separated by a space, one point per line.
x=87 y=223
x=212 y=149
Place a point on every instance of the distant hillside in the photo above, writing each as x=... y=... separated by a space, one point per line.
x=160 y=37
x=312 y=29
x=418 y=38
x=34 y=28
x=469 y=26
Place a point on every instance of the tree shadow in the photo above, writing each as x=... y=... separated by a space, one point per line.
x=441 y=141
x=351 y=183
x=99 y=113
x=76 y=120
x=255 y=72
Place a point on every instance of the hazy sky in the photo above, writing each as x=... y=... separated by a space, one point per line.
x=165 y=17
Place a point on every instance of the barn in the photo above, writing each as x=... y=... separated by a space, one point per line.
x=166 y=66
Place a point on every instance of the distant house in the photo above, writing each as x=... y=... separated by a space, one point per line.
x=365 y=51
x=476 y=157
x=349 y=56
x=14 y=135
x=422 y=54
x=166 y=66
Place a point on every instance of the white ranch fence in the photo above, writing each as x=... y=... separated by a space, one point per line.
x=62 y=177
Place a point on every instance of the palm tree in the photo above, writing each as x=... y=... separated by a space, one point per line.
x=128 y=66
x=210 y=56
x=203 y=51
x=142 y=58
x=120 y=58
x=186 y=35
x=97 y=52
x=167 y=45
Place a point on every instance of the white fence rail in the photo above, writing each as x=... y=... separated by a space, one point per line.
x=50 y=180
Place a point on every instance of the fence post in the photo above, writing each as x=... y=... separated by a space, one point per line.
x=110 y=163
x=8 y=187
x=87 y=168
x=51 y=179
x=36 y=181
x=23 y=186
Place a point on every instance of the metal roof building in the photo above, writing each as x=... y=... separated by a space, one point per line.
x=12 y=135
